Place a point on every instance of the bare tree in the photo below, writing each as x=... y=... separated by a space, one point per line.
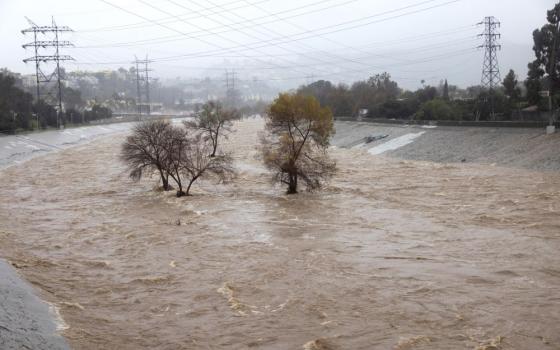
x=145 y=151
x=182 y=154
x=176 y=145
x=295 y=145
x=197 y=162
x=213 y=121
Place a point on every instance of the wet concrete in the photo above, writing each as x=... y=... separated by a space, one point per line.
x=15 y=149
x=528 y=148
x=26 y=322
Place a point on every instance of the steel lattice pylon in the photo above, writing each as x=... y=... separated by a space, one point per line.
x=51 y=94
x=143 y=85
x=490 y=70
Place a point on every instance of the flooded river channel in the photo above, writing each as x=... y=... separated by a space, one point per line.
x=391 y=255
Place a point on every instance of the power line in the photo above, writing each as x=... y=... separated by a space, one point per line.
x=54 y=99
x=415 y=38
x=180 y=32
x=409 y=51
x=165 y=20
x=449 y=55
x=299 y=34
x=290 y=38
x=259 y=31
x=270 y=42
x=285 y=20
x=203 y=33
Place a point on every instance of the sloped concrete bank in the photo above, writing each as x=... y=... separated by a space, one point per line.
x=528 y=148
x=26 y=322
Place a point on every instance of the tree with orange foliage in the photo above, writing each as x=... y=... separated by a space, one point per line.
x=295 y=144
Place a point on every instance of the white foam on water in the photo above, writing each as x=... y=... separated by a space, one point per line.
x=395 y=143
x=61 y=325
x=429 y=126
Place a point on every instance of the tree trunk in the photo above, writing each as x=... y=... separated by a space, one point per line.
x=180 y=192
x=164 y=180
x=215 y=147
x=292 y=186
x=189 y=186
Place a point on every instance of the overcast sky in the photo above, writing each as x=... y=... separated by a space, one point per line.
x=288 y=41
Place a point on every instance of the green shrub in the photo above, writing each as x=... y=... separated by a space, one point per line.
x=436 y=110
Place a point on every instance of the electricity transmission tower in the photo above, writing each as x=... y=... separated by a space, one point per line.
x=143 y=85
x=52 y=95
x=490 y=68
x=230 y=87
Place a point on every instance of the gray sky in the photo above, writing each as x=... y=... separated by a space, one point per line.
x=287 y=42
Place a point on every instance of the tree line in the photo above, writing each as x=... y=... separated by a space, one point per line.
x=19 y=110
x=381 y=97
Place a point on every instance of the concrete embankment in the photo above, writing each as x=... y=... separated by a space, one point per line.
x=528 y=148
x=26 y=322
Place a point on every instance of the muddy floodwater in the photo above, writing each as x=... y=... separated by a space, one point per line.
x=392 y=254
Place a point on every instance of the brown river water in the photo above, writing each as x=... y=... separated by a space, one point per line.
x=391 y=255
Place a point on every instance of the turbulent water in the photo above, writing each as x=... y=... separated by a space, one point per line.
x=391 y=255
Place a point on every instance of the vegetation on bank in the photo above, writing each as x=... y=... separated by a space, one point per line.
x=380 y=97
x=18 y=110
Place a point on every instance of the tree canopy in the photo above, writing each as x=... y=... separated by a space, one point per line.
x=214 y=121
x=173 y=152
x=295 y=146
x=15 y=106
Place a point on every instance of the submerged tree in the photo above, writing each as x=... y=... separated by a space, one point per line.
x=175 y=145
x=213 y=121
x=175 y=152
x=297 y=137
x=196 y=162
x=145 y=151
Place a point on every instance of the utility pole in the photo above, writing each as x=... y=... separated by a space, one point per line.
x=138 y=94
x=552 y=73
x=230 y=87
x=146 y=70
x=490 y=68
x=227 y=82
x=143 y=85
x=50 y=98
